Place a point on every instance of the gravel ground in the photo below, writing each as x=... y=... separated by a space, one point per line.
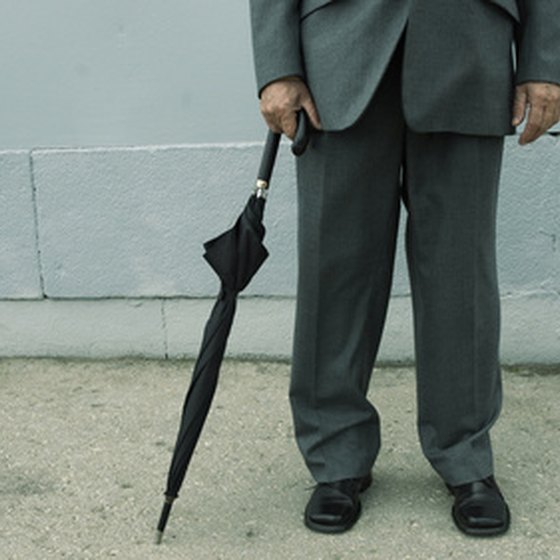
x=86 y=447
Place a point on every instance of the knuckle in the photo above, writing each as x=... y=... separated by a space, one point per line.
x=267 y=113
x=540 y=98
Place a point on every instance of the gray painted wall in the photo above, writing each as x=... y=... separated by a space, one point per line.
x=129 y=134
x=125 y=72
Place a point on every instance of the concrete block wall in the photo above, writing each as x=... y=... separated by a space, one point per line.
x=102 y=252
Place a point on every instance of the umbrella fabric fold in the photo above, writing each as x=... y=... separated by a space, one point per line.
x=236 y=255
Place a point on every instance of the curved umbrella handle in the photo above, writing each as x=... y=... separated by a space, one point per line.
x=302 y=134
x=271 y=149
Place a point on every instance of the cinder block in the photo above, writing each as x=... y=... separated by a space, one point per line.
x=529 y=217
x=19 y=264
x=184 y=324
x=531 y=329
x=131 y=222
x=262 y=327
x=90 y=329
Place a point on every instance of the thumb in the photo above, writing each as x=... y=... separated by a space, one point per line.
x=519 y=105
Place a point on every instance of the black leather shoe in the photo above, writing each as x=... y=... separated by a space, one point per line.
x=334 y=507
x=480 y=508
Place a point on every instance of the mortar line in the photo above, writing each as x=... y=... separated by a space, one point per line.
x=164 y=329
x=36 y=224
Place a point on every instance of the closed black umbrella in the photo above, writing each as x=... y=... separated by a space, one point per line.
x=235 y=256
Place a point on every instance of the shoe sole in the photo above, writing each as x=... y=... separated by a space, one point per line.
x=482 y=532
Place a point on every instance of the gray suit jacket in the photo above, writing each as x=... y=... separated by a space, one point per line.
x=459 y=69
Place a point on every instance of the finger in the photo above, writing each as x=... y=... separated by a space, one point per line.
x=288 y=124
x=534 y=126
x=530 y=134
x=270 y=117
x=271 y=121
x=519 y=106
x=274 y=127
x=549 y=117
x=311 y=110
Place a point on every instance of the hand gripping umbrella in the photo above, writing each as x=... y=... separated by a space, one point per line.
x=235 y=256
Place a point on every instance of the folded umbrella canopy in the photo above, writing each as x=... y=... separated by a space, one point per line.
x=235 y=256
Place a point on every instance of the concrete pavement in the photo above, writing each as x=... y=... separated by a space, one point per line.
x=86 y=446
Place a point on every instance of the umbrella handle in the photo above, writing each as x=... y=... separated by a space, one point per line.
x=271 y=148
x=302 y=134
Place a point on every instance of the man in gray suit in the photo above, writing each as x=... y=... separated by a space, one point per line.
x=410 y=99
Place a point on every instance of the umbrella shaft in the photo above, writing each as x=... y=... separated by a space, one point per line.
x=268 y=158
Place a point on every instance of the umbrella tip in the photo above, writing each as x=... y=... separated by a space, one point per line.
x=163 y=518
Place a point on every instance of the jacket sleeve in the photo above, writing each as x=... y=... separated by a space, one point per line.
x=276 y=42
x=539 y=48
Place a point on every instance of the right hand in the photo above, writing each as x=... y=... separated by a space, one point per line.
x=282 y=99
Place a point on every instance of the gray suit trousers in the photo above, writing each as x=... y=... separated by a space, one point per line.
x=350 y=185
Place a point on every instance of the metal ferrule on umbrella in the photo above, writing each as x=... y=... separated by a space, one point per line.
x=235 y=256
